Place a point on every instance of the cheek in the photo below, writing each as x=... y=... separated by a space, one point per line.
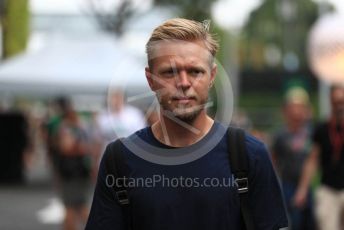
x=167 y=83
x=201 y=87
x=201 y=82
x=164 y=93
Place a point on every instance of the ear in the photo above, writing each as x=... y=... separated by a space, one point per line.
x=149 y=77
x=213 y=74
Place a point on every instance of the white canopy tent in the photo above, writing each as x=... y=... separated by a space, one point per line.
x=83 y=69
x=70 y=67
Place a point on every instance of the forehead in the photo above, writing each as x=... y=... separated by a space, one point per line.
x=182 y=50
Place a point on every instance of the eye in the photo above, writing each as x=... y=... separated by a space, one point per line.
x=196 y=72
x=168 y=73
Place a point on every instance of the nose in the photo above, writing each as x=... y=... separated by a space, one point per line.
x=183 y=80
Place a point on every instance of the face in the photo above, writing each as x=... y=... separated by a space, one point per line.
x=296 y=113
x=337 y=101
x=181 y=74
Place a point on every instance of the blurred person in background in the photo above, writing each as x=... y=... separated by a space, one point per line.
x=121 y=119
x=70 y=154
x=328 y=153
x=241 y=120
x=290 y=148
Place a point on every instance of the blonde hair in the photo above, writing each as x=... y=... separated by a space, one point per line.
x=297 y=95
x=185 y=30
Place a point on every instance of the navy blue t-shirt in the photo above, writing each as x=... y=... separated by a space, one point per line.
x=198 y=195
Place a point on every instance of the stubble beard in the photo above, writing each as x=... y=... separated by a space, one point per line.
x=188 y=114
x=185 y=113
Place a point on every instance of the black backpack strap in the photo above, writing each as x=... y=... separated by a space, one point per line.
x=114 y=166
x=240 y=168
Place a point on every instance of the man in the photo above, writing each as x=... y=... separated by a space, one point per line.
x=328 y=152
x=181 y=70
x=290 y=149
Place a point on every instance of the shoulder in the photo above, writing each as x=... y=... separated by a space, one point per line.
x=258 y=154
x=144 y=134
x=254 y=146
x=252 y=143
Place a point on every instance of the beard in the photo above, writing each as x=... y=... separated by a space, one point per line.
x=184 y=112
x=187 y=115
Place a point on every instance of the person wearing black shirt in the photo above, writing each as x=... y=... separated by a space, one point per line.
x=328 y=153
x=170 y=192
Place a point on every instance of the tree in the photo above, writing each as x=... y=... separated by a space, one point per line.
x=115 y=20
x=197 y=10
x=15 y=26
x=275 y=36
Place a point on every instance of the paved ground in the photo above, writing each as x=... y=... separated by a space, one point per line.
x=34 y=207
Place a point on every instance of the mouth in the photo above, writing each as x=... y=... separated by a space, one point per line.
x=183 y=100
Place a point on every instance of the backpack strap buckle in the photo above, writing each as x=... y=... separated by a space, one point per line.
x=242 y=184
x=122 y=197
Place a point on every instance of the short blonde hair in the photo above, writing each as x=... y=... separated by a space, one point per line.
x=185 y=30
x=297 y=95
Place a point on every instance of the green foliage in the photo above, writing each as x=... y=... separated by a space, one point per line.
x=197 y=10
x=117 y=20
x=15 y=24
x=281 y=24
x=264 y=108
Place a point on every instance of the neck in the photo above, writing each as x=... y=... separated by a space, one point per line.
x=177 y=133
